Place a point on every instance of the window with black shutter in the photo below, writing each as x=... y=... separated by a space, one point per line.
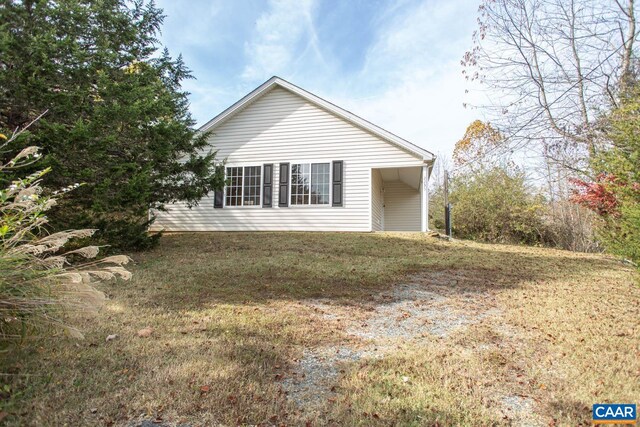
x=310 y=183
x=243 y=187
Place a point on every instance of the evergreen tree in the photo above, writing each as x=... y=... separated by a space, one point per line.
x=117 y=120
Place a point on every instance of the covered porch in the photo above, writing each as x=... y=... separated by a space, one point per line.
x=400 y=198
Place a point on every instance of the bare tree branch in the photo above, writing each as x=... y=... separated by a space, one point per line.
x=552 y=67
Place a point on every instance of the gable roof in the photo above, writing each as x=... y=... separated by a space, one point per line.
x=324 y=104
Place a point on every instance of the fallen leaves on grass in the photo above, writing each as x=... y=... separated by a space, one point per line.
x=523 y=312
x=145 y=332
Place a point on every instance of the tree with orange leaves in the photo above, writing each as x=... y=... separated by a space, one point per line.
x=478 y=147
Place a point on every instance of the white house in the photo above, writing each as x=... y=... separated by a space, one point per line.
x=297 y=162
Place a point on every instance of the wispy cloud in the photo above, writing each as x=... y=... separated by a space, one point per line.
x=394 y=62
x=411 y=82
x=283 y=35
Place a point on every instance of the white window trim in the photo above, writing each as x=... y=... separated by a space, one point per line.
x=242 y=206
x=309 y=205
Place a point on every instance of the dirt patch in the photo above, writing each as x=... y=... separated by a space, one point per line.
x=311 y=384
x=520 y=411
x=438 y=305
x=413 y=312
x=433 y=304
x=155 y=423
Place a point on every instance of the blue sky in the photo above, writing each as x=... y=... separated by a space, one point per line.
x=395 y=63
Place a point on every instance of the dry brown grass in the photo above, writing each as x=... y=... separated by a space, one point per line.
x=231 y=319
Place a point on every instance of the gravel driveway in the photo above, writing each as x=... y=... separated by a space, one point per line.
x=427 y=306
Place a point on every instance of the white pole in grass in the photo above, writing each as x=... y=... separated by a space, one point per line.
x=424 y=199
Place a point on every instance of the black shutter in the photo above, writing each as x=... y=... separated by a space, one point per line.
x=218 y=199
x=337 y=181
x=283 y=188
x=267 y=186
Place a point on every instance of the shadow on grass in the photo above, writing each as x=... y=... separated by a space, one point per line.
x=194 y=270
x=241 y=352
x=571 y=412
x=217 y=376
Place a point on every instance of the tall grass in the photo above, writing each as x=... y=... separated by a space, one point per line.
x=39 y=279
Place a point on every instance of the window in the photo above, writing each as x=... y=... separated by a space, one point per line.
x=251 y=186
x=300 y=184
x=320 y=177
x=234 y=187
x=243 y=186
x=310 y=183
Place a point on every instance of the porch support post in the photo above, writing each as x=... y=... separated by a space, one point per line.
x=424 y=199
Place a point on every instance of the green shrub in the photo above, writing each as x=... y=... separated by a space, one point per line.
x=496 y=205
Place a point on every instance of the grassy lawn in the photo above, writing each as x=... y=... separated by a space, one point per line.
x=530 y=336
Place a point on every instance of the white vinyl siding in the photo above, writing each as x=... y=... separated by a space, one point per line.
x=377 y=201
x=401 y=207
x=283 y=127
